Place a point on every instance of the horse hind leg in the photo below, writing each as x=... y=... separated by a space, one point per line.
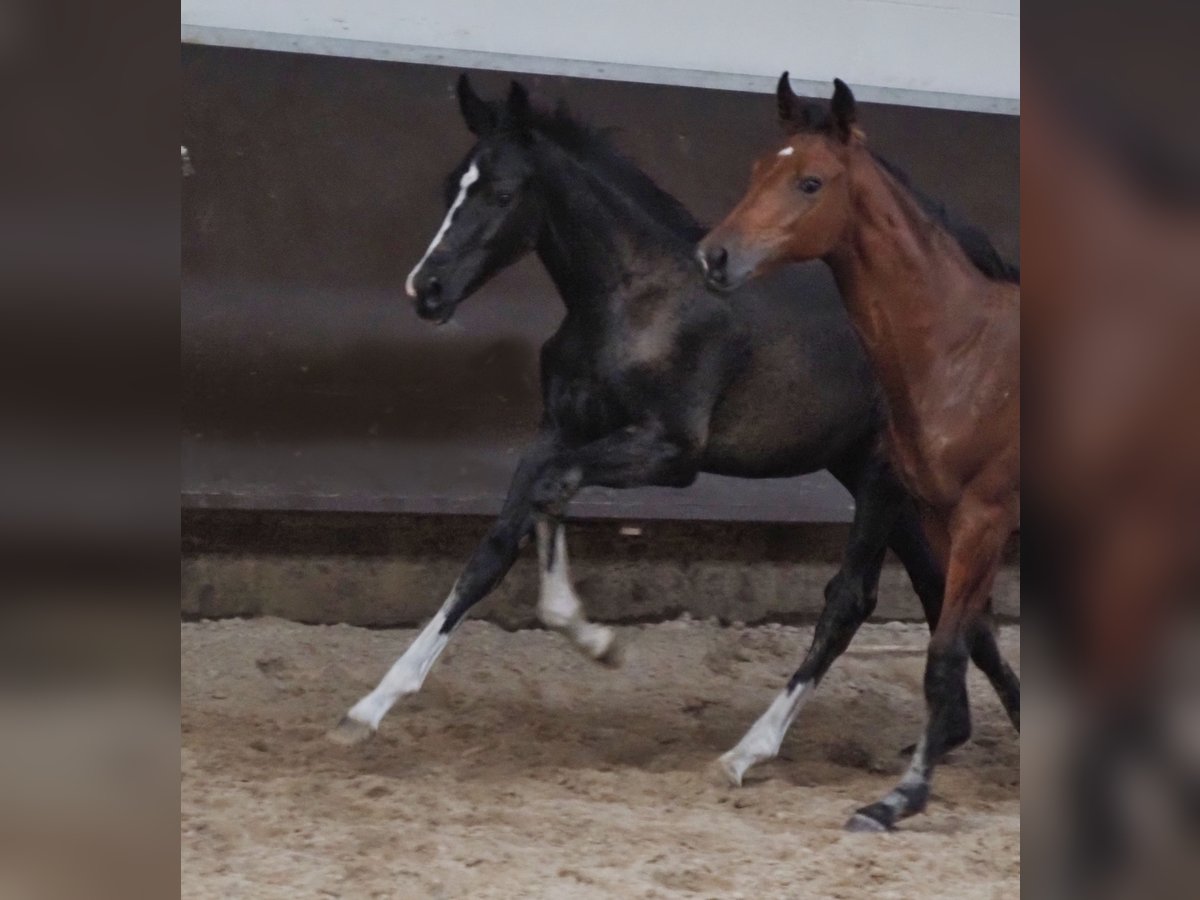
x=559 y=607
x=849 y=601
x=846 y=608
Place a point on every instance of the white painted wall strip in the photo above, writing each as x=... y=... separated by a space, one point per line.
x=955 y=54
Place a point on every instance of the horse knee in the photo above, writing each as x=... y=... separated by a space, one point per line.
x=849 y=600
x=551 y=492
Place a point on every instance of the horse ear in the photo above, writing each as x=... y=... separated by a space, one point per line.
x=475 y=112
x=843 y=110
x=517 y=104
x=785 y=99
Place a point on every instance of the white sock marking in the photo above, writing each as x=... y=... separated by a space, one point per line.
x=765 y=737
x=469 y=178
x=916 y=774
x=408 y=673
x=559 y=606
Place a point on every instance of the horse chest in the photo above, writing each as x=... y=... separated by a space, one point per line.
x=585 y=404
x=941 y=448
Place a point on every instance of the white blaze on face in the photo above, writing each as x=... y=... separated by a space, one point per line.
x=786 y=151
x=469 y=178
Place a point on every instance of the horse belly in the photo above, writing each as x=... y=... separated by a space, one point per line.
x=781 y=436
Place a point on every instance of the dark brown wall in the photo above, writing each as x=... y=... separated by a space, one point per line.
x=308 y=383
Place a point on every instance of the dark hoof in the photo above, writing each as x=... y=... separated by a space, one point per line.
x=349 y=732
x=874 y=818
x=861 y=823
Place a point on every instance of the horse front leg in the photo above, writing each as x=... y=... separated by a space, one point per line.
x=978 y=532
x=489 y=563
x=559 y=607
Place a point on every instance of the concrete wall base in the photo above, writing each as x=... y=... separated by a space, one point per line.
x=396 y=570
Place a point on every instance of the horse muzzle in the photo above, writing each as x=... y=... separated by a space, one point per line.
x=431 y=304
x=719 y=275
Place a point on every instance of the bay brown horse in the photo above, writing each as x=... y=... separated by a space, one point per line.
x=944 y=340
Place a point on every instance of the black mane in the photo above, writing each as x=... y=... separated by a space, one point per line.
x=595 y=146
x=974 y=242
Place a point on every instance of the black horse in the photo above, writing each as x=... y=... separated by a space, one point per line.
x=650 y=380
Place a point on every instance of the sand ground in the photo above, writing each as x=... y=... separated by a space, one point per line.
x=523 y=770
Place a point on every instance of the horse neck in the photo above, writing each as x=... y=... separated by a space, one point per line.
x=599 y=245
x=911 y=291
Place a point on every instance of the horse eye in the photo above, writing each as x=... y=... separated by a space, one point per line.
x=504 y=198
x=810 y=185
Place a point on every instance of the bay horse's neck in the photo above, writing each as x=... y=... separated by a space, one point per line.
x=912 y=293
x=599 y=244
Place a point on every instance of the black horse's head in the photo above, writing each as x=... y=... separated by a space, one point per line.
x=493 y=207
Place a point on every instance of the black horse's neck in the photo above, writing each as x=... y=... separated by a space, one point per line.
x=608 y=232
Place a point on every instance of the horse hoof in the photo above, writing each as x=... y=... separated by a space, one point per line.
x=349 y=732
x=861 y=823
x=731 y=772
x=613 y=656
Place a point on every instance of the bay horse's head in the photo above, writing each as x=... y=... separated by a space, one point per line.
x=493 y=211
x=798 y=203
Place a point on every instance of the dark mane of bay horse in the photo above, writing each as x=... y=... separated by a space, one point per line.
x=975 y=244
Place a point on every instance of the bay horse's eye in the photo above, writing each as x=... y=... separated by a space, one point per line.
x=503 y=198
x=810 y=185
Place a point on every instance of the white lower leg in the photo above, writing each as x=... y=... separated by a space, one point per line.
x=559 y=606
x=905 y=799
x=408 y=673
x=765 y=737
x=915 y=776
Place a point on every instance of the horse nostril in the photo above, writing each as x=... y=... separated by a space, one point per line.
x=428 y=305
x=433 y=286
x=715 y=260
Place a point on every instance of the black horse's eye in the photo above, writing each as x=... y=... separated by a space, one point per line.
x=503 y=198
x=810 y=185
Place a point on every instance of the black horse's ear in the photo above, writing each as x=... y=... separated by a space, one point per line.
x=517 y=105
x=842 y=110
x=786 y=98
x=476 y=113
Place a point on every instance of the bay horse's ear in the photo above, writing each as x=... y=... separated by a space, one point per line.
x=517 y=105
x=475 y=112
x=785 y=99
x=842 y=110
